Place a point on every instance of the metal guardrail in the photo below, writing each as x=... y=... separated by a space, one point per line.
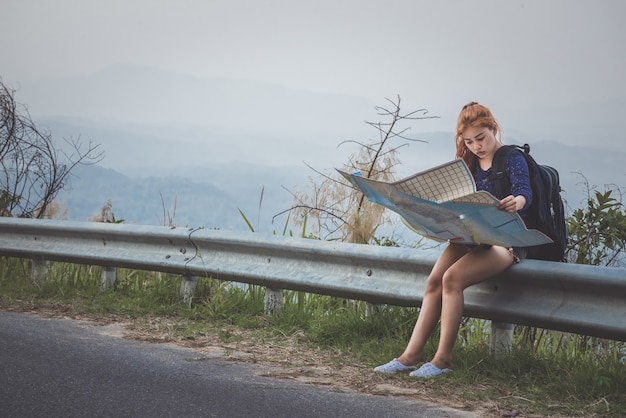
x=575 y=298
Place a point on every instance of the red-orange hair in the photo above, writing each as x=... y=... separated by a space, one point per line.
x=474 y=115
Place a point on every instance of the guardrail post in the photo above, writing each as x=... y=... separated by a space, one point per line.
x=501 y=338
x=108 y=277
x=188 y=287
x=273 y=301
x=37 y=270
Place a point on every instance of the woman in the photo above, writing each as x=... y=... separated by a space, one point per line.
x=478 y=137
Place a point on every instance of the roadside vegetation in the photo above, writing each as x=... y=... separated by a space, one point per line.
x=547 y=373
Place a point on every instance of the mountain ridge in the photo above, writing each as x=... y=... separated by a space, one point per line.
x=231 y=139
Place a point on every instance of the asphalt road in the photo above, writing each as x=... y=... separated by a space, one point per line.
x=64 y=368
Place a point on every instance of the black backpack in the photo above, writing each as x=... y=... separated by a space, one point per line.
x=546 y=212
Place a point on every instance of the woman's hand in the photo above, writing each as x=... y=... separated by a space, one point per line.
x=512 y=204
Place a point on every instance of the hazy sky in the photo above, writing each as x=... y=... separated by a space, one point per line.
x=531 y=61
x=534 y=62
x=438 y=54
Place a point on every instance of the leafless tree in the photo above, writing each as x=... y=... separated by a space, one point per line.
x=336 y=207
x=32 y=169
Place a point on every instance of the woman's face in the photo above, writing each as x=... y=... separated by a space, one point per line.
x=481 y=142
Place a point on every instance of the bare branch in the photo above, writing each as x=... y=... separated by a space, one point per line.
x=336 y=206
x=32 y=172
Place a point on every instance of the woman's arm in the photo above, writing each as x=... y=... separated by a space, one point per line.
x=519 y=177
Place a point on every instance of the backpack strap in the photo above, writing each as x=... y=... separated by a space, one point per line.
x=498 y=173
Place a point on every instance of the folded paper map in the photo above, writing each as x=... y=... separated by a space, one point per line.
x=442 y=204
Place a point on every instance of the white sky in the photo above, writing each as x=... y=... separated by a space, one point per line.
x=534 y=62
x=511 y=55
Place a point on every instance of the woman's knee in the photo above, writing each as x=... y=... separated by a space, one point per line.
x=433 y=284
x=452 y=281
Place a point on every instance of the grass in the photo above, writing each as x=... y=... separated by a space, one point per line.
x=548 y=373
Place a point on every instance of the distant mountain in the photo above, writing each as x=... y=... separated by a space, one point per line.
x=600 y=168
x=213 y=202
x=211 y=195
x=141 y=95
x=215 y=145
x=598 y=126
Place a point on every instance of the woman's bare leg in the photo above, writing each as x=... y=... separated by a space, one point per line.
x=430 y=311
x=476 y=266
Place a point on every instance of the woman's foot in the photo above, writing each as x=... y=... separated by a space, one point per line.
x=429 y=370
x=394 y=366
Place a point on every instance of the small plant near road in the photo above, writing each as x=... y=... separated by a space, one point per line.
x=597 y=233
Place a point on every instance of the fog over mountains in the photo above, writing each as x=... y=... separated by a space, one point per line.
x=214 y=146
